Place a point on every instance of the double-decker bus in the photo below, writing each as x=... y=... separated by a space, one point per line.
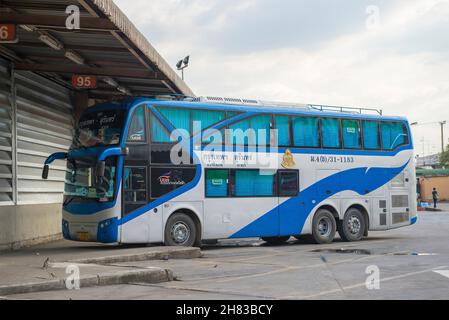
x=182 y=172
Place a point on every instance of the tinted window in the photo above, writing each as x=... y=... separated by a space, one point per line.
x=179 y=118
x=217 y=183
x=371 y=135
x=288 y=183
x=261 y=126
x=393 y=135
x=136 y=131
x=351 y=134
x=258 y=135
x=135 y=185
x=166 y=180
x=283 y=131
x=331 y=133
x=252 y=183
x=305 y=132
x=240 y=134
x=204 y=119
x=159 y=134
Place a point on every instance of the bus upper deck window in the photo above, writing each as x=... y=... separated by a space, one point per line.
x=351 y=134
x=331 y=133
x=393 y=135
x=371 y=135
x=136 y=131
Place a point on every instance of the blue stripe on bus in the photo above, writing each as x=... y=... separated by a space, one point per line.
x=289 y=218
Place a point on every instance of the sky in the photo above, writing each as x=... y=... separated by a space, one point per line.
x=388 y=54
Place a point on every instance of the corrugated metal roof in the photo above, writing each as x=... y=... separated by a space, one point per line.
x=115 y=47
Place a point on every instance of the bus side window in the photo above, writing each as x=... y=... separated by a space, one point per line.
x=283 y=131
x=205 y=119
x=371 y=135
x=217 y=183
x=351 y=134
x=288 y=183
x=306 y=132
x=394 y=134
x=331 y=133
x=136 y=132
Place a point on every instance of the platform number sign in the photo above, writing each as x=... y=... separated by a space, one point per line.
x=8 y=33
x=84 y=82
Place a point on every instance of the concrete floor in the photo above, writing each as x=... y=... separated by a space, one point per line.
x=413 y=264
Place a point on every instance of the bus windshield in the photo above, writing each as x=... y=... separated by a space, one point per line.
x=101 y=128
x=81 y=180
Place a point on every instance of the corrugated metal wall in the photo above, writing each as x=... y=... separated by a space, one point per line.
x=36 y=119
x=6 y=140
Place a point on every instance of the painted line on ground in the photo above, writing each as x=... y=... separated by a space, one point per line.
x=361 y=285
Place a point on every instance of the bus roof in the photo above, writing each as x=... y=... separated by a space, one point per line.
x=261 y=107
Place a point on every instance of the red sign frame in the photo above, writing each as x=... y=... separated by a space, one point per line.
x=8 y=33
x=84 y=81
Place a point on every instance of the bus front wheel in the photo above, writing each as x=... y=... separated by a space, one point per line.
x=352 y=228
x=324 y=227
x=180 y=231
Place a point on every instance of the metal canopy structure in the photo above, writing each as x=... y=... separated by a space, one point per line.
x=107 y=45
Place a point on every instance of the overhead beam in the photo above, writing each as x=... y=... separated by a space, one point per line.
x=75 y=47
x=75 y=69
x=52 y=21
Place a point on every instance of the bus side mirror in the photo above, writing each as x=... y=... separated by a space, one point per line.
x=45 y=172
x=100 y=169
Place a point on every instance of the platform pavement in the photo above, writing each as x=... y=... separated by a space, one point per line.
x=45 y=267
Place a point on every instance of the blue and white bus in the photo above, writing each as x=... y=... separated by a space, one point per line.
x=182 y=172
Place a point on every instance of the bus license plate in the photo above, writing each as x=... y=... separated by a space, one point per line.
x=83 y=236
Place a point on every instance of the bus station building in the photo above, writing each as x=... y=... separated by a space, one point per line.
x=48 y=75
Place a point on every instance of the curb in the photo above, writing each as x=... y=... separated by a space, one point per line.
x=174 y=253
x=154 y=275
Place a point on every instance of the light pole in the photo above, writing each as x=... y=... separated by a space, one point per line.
x=441 y=123
x=182 y=64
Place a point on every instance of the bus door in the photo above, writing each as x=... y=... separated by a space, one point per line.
x=288 y=187
x=135 y=182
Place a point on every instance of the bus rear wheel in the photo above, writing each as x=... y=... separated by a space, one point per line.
x=180 y=231
x=275 y=241
x=324 y=227
x=352 y=228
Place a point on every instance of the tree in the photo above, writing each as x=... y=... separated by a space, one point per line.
x=444 y=158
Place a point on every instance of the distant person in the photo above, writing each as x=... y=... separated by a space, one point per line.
x=435 y=197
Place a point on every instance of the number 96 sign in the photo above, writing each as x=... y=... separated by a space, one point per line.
x=84 y=82
x=8 y=33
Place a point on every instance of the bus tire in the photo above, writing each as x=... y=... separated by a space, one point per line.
x=353 y=226
x=275 y=241
x=180 y=231
x=324 y=227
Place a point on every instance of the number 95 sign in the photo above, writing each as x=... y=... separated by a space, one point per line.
x=84 y=82
x=8 y=33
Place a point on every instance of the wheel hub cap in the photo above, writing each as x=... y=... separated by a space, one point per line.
x=324 y=227
x=180 y=233
x=354 y=225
